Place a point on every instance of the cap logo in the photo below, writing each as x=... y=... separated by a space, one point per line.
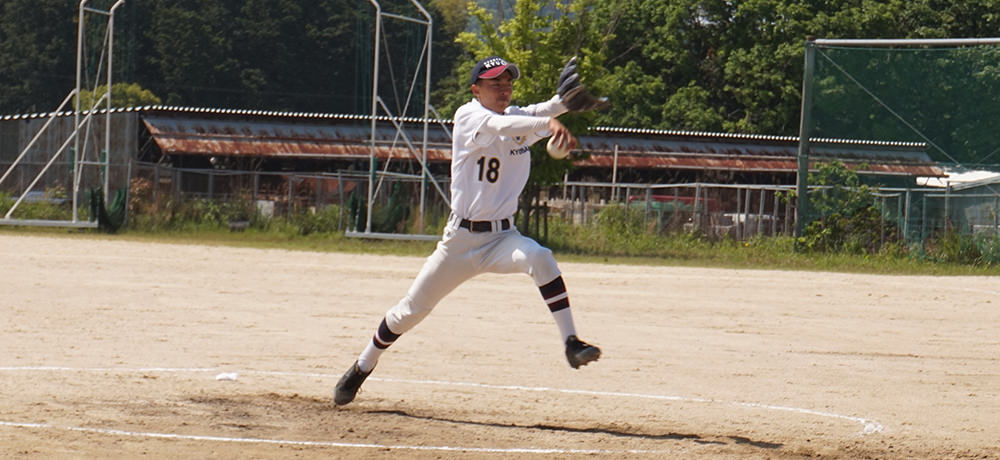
x=494 y=63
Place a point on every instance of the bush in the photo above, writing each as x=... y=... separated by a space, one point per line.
x=53 y=205
x=325 y=220
x=956 y=248
x=989 y=250
x=619 y=231
x=848 y=220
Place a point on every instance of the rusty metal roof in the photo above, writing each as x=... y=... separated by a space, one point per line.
x=302 y=138
x=695 y=162
x=203 y=131
x=653 y=149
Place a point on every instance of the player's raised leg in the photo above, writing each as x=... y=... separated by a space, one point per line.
x=578 y=352
x=518 y=253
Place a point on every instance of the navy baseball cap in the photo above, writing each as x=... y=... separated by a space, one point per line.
x=492 y=67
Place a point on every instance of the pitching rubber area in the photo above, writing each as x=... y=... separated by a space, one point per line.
x=124 y=349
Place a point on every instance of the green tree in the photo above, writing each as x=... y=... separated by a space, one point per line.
x=718 y=65
x=122 y=95
x=37 y=54
x=192 y=51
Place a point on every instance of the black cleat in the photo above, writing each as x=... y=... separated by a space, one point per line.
x=348 y=386
x=580 y=353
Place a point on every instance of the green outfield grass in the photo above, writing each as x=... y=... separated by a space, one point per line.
x=679 y=250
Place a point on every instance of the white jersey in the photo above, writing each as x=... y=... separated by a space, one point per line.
x=491 y=156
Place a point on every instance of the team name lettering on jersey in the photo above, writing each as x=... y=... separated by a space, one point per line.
x=520 y=151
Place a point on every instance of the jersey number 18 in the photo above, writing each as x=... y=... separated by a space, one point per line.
x=491 y=169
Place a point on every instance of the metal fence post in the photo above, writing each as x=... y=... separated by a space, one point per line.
x=291 y=193
x=760 y=214
x=340 y=196
x=545 y=220
x=805 y=128
x=906 y=216
x=789 y=217
x=923 y=220
x=574 y=197
x=697 y=205
x=255 y=185
x=746 y=213
x=881 y=220
x=178 y=176
x=649 y=205
x=774 y=214
x=156 y=186
x=739 y=213
x=320 y=183
x=947 y=215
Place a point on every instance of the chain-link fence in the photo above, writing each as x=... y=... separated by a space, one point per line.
x=744 y=211
x=717 y=210
x=925 y=213
x=270 y=195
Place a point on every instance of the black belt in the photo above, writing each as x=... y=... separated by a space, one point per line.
x=479 y=226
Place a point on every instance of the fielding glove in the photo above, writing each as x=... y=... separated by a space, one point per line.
x=574 y=94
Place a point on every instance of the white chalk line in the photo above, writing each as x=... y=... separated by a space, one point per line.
x=870 y=426
x=186 y=437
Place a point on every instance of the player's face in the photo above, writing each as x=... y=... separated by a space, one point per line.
x=495 y=93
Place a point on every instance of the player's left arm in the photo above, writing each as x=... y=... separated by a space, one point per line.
x=573 y=94
x=550 y=108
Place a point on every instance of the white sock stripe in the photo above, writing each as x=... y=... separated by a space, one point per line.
x=557 y=298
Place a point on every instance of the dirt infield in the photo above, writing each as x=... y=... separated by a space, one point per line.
x=118 y=349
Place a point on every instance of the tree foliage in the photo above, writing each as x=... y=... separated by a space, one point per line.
x=37 y=54
x=712 y=65
x=719 y=65
x=122 y=95
x=297 y=55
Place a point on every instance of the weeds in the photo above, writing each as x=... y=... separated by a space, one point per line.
x=615 y=235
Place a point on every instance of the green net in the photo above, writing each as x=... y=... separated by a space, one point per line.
x=944 y=95
x=948 y=98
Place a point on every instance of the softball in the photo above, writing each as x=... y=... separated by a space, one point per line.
x=556 y=150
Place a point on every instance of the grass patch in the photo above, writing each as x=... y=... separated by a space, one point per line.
x=675 y=250
x=616 y=236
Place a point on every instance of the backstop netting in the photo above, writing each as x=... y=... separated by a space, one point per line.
x=944 y=94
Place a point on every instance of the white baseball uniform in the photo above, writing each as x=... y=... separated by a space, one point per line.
x=490 y=164
x=491 y=161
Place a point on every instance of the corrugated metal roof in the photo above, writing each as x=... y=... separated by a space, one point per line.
x=304 y=138
x=753 y=137
x=686 y=150
x=207 y=131
x=742 y=164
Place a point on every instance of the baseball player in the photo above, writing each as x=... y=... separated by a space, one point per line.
x=489 y=168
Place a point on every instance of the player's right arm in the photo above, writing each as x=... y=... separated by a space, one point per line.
x=514 y=125
x=476 y=126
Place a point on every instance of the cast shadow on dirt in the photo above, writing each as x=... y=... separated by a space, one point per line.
x=608 y=431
